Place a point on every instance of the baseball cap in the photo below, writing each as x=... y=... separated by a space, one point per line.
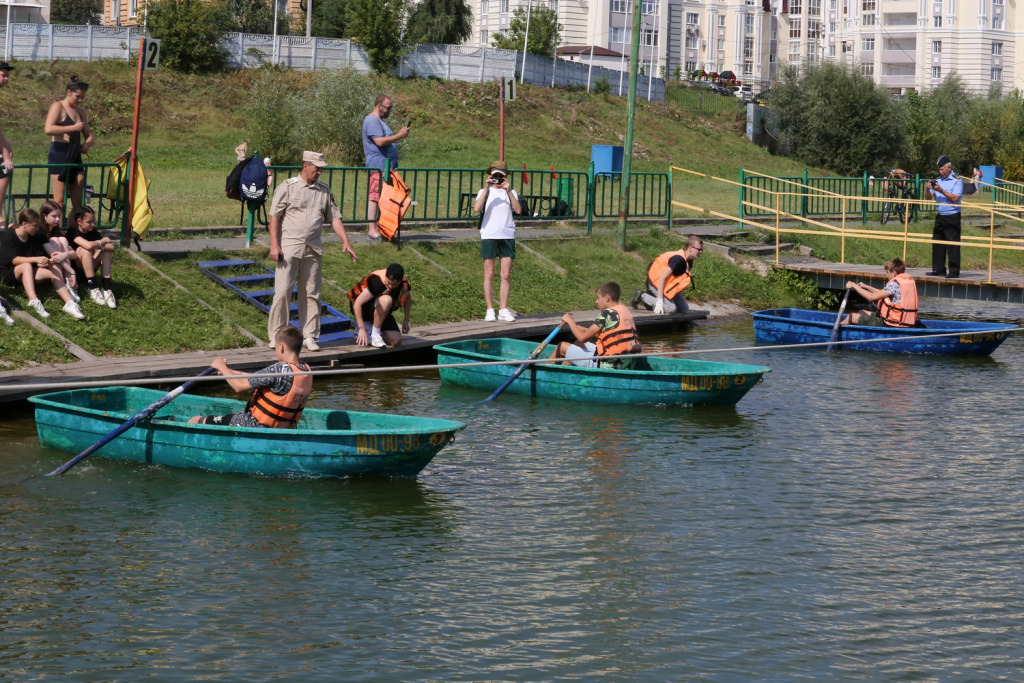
x=315 y=158
x=395 y=271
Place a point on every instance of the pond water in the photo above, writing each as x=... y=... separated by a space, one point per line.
x=854 y=517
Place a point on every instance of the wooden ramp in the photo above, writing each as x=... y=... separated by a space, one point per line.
x=342 y=352
x=973 y=285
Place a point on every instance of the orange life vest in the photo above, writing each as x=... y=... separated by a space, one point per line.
x=396 y=298
x=904 y=315
x=274 y=410
x=675 y=283
x=395 y=198
x=621 y=338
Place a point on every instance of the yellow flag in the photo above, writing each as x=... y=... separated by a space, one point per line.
x=143 y=213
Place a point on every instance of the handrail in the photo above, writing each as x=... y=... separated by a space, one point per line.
x=24 y=189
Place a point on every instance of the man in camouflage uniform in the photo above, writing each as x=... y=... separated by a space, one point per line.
x=300 y=208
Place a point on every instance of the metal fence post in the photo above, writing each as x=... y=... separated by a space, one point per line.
x=743 y=196
x=591 y=198
x=88 y=43
x=668 y=198
x=387 y=171
x=803 y=198
x=863 y=203
x=312 y=59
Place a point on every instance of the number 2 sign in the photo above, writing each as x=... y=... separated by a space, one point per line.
x=151 y=56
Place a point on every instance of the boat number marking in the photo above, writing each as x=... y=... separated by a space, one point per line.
x=709 y=383
x=375 y=444
x=981 y=336
x=438 y=439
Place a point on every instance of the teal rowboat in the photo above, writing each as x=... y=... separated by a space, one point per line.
x=671 y=381
x=328 y=443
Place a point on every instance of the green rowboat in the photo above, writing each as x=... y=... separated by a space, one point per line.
x=670 y=381
x=328 y=443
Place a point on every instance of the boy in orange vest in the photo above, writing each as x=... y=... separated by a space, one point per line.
x=897 y=303
x=667 y=277
x=276 y=401
x=613 y=328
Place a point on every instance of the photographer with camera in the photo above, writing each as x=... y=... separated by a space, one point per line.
x=498 y=202
x=946 y=190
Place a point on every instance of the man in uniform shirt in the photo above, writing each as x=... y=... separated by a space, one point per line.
x=298 y=211
x=946 y=190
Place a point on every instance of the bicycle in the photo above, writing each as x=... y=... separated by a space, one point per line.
x=896 y=185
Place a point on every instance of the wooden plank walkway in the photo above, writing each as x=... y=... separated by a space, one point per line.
x=344 y=353
x=973 y=285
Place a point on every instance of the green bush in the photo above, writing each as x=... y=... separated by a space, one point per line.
x=330 y=119
x=191 y=31
x=376 y=25
x=270 y=119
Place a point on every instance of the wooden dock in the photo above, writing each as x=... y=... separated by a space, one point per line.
x=972 y=285
x=418 y=342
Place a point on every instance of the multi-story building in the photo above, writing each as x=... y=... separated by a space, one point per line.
x=908 y=45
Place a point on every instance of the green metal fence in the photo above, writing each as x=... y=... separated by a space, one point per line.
x=650 y=195
x=31 y=185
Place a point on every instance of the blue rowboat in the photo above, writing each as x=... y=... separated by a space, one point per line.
x=797 y=326
x=328 y=443
x=671 y=381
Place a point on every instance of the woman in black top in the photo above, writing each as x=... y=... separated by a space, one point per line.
x=91 y=247
x=22 y=261
x=70 y=138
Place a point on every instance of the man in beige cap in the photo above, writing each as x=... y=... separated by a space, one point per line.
x=300 y=208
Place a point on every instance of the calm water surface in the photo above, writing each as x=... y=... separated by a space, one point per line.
x=855 y=517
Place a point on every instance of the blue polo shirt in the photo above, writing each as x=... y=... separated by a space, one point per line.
x=952 y=185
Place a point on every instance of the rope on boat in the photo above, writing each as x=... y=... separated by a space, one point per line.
x=19 y=388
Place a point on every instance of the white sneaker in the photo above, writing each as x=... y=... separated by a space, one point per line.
x=108 y=296
x=6 y=318
x=73 y=294
x=72 y=309
x=311 y=344
x=37 y=306
x=97 y=297
x=505 y=315
x=272 y=344
x=377 y=341
x=489 y=318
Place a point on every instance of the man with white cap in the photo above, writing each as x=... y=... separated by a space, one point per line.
x=946 y=190
x=300 y=208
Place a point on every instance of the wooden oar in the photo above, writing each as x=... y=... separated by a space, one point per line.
x=141 y=415
x=536 y=352
x=835 y=328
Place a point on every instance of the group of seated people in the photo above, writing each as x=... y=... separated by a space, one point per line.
x=37 y=250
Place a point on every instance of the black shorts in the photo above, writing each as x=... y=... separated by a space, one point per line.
x=8 y=277
x=389 y=322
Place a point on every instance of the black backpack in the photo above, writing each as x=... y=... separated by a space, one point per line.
x=253 y=181
x=233 y=185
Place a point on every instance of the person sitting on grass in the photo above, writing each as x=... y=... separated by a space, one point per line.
x=897 y=302
x=23 y=261
x=56 y=246
x=277 y=402
x=91 y=247
x=613 y=328
x=373 y=302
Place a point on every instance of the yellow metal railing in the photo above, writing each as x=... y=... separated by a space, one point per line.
x=842 y=231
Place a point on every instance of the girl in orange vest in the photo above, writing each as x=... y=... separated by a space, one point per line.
x=276 y=402
x=897 y=303
x=613 y=329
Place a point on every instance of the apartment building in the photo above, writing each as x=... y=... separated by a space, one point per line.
x=906 y=44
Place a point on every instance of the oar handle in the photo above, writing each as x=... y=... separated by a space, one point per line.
x=839 y=319
x=131 y=422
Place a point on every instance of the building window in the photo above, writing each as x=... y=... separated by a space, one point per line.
x=795 y=8
x=813 y=29
x=620 y=6
x=936 y=47
x=831 y=50
x=997 y=74
x=620 y=35
x=690 y=66
x=748 y=68
x=868 y=69
x=133 y=8
x=997 y=3
x=693 y=19
x=832 y=5
x=721 y=21
x=832 y=27
x=748 y=24
x=814 y=8
x=649 y=38
x=794 y=52
x=997 y=50
x=553 y=5
x=691 y=42
x=794 y=28
x=868 y=6
x=937 y=22
x=748 y=48
x=936 y=72
x=867 y=44
x=503 y=6
x=997 y=23
x=485 y=7
x=483 y=38
x=867 y=20
x=647 y=6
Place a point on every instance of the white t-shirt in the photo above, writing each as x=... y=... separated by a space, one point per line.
x=498 y=223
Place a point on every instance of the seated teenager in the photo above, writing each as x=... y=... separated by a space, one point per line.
x=373 y=302
x=61 y=253
x=23 y=261
x=91 y=247
x=613 y=329
x=277 y=402
x=897 y=302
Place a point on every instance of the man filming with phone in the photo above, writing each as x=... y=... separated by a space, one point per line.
x=946 y=190
x=498 y=203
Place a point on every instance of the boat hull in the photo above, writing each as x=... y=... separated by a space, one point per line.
x=799 y=326
x=328 y=443
x=671 y=381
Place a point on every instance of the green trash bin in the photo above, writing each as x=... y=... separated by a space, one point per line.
x=566 y=196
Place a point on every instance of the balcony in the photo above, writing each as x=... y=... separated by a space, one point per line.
x=894 y=81
x=897 y=20
x=898 y=56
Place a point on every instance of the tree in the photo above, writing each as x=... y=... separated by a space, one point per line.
x=329 y=18
x=545 y=32
x=191 y=31
x=75 y=11
x=440 y=21
x=256 y=16
x=834 y=117
x=376 y=25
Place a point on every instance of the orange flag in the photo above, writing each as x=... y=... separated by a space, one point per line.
x=554 y=176
x=526 y=176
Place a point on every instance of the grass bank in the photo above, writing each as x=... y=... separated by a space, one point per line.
x=155 y=317
x=190 y=128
